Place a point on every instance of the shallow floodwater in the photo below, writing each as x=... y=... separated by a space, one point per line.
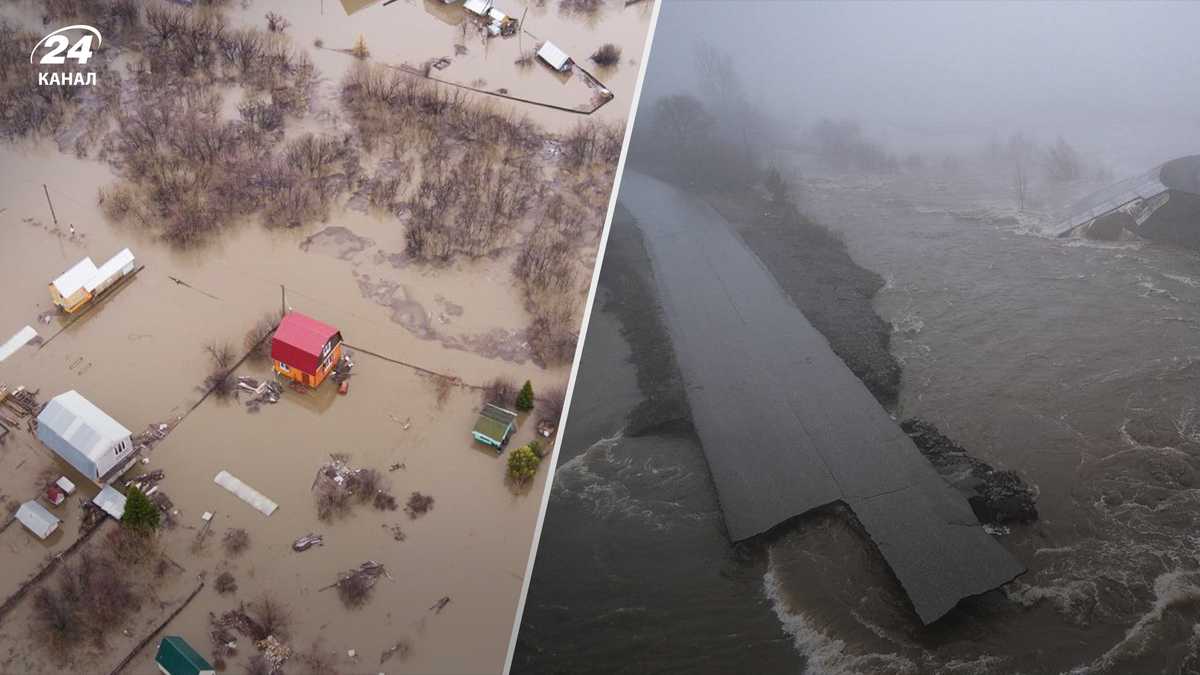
x=140 y=356
x=1074 y=363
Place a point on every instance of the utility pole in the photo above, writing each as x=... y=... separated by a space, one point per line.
x=47 y=191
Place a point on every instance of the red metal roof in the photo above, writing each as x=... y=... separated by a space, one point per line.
x=298 y=341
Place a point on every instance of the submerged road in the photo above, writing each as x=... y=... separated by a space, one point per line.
x=785 y=426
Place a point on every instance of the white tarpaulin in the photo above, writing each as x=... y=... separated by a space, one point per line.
x=246 y=493
x=17 y=341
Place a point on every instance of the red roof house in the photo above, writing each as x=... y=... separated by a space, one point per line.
x=304 y=349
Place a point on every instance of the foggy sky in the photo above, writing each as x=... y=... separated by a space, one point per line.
x=1119 y=79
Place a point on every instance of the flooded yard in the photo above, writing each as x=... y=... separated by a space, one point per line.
x=454 y=573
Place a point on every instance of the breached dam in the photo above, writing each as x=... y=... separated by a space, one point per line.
x=785 y=426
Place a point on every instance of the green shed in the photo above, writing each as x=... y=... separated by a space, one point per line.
x=494 y=425
x=176 y=657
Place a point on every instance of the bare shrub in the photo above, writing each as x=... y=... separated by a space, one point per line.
x=553 y=403
x=581 y=6
x=235 y=541
x=501 y=391
x=367 y=484
x=418 y=505
x=442 y=386
x=257 y=342
x=54 y=617
x=93 y=595
x=276 y=23
x=384 y=501
x=354 y=590
x=1063 y=163
x=268 y=616
x=219 y=382
x=130 y=547
x=544 y=261
x=552 y=335
x=225 y=583
x=607 y=55
x=331 y=502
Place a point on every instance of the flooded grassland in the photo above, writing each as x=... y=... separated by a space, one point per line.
x=449 y=236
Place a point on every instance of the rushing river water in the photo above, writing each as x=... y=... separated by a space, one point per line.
x=1074 y=363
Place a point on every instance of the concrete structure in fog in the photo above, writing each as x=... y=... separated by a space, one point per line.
x=1162 y=204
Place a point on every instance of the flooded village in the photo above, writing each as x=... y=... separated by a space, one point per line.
x=278 y=284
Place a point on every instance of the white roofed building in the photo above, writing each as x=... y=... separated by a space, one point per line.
x=554 y=57
x=69 y=290
x=37 y=519
x=84 y=436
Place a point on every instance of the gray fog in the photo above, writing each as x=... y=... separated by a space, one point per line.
x=1119 y=80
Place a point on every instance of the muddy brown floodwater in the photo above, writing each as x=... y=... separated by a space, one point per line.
x=139 y=355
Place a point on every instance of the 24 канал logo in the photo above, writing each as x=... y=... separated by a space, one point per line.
x=58 y=49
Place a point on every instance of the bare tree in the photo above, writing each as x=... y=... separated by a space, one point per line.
x=1063 y=162
x=1020 y=183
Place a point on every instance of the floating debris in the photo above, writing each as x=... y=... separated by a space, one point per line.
x=397 y=532
x=275 y=652
x=401 y=649
x=266 y=391
x=440 y=604
x=308 y=541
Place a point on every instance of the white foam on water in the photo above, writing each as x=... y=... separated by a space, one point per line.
x=1183 y=279
x=825 y=655
x=607 y=493
x=1177 y=587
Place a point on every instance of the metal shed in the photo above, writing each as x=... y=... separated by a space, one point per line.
x=494 y=425
x=554 y=57
x=111 y=502
x=176 y=657
x=83 y=435
x=37 y=519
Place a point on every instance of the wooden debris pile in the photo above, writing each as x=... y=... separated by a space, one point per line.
x=17 y=405
x=259 y=393
x=153 y=434
x=337 y=484
x=275 y=652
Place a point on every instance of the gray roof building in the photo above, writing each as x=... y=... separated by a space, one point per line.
x=37 y=519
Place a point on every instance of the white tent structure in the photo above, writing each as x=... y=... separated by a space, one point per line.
x=554 y=57
x=83 y=435
x=245 y=493
x=37 y=519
